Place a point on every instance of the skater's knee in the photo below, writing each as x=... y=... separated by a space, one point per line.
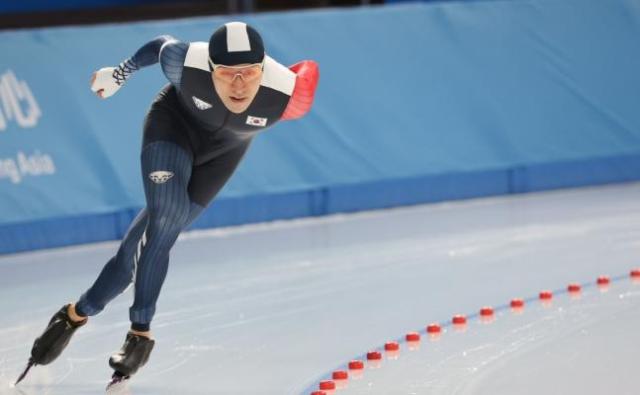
x=168 y=220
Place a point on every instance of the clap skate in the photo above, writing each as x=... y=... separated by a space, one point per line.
x=53 y=340
x=133 y=355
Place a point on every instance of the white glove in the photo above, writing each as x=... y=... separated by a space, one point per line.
x=103 y=83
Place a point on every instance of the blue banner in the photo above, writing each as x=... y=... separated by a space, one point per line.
x=416 y=103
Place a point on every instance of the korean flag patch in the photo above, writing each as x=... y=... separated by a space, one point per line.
x=256 y=121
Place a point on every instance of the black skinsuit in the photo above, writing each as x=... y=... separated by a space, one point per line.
x=191 y=146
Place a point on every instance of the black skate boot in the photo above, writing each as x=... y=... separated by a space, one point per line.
x=131 y=357
x=53 y=340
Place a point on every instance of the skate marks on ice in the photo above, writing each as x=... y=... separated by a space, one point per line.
x=40 y=379
x=574 y=345
x=6 y=384
x=118 y=386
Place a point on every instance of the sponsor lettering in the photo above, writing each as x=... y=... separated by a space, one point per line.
x=23 y=165
x=17 y=103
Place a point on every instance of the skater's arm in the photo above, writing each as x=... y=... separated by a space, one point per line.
x=307 y=75
x=164 y=49
x=172 y=56
x=147 y=55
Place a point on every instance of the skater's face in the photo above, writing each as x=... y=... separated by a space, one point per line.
x=238 y=85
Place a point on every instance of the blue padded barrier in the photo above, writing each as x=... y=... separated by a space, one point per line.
x=420 y=102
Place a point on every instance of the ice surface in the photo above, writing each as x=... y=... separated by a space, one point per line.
x=271 y=309
x=584 y=345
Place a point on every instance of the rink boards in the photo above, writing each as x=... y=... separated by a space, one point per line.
x=416 y=103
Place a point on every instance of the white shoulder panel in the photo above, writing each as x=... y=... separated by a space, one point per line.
x=198 y=56
x=278 y=77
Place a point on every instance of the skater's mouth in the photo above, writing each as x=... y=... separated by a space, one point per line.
x=237 y=99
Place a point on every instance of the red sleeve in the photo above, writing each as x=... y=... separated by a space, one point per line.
x=307 y=76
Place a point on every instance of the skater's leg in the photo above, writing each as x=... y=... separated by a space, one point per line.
x=167 y=168
x=113 y=279
x=117 y=274
x=190 y=190
x=50 y=344
x=190 y=196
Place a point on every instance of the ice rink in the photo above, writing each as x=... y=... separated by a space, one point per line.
x=276 y=308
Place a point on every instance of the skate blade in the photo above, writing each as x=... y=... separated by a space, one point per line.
x=24 y=373
x=118 y=385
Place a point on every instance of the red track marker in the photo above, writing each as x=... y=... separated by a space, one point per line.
x=413 y=337
x=327 y=385
x=546 y=295
x=391 y=346
x=433 y=329
x=574 y=288
x=486 y=311
x=356 y=365
x=517 y=303
x=340 y=375
x=374 y=355
x=459 y=319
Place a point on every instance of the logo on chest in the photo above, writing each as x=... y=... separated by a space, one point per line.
x=256 y=121
x=201 y=104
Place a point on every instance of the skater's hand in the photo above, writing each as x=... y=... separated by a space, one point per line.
x=103 y=82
